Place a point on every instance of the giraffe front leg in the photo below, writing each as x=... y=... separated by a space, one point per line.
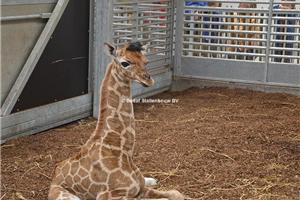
x=149 y=193
x=57 y=192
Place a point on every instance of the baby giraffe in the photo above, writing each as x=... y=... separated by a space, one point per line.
x=104 y=168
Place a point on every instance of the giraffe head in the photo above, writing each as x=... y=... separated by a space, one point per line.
x=131 y=62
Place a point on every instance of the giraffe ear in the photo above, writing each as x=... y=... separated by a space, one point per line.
x=145 y=47
x=110 y=49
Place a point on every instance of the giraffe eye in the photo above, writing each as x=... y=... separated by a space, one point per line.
x=125 y=64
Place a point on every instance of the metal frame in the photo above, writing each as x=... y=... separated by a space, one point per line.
x=260 y=71
x=26 y=2
x=22 y=17
x=116 y=28
x=45 y=117
x=33 y=58
x=102 y=33
x=54 y=114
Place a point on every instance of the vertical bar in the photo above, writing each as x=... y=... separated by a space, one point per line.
x=136 y=15
x=298 y=62
x=179 y=31
x=191 y=32
x=91 y=42
x=172 y=39
x=102 y=33
x=271 y=4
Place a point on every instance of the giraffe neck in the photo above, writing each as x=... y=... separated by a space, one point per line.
x=115 y=127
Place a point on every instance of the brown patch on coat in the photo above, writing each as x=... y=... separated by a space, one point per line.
x=115 y=124
x=97 y=174
x=112 y=139
x=118 y=180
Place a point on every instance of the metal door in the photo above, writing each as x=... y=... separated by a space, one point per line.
x=52 y=87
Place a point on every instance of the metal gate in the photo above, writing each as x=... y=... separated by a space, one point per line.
x=150 y=22
x=45 y=65
x=252 y=42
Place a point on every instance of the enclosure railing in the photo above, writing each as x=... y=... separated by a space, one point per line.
x=150 y=22
x=262 y=35
x=223 y=29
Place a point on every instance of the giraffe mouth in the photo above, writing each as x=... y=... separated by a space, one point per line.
x=145 y=85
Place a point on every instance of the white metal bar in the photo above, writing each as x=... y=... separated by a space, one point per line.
x=23 y=17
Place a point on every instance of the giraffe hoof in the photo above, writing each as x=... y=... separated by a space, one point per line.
x=150 y=181
x=175 y=195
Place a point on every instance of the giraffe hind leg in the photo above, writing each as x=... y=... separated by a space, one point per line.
x=107 y=196
x=59 y=193
x=149 y=193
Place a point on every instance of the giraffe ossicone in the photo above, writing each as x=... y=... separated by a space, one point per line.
x=104 y=167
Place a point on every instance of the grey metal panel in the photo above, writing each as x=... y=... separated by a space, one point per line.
x=33 y=58
x=102 y=33
x=44 y=117
x=18 y=39
x=183 y=83
x=178 y=36
x=91 y=46
x=268 y=41
x=128 y=20
x=12 y=10
x=26 y=2
x=216 y=68
x=284 y=73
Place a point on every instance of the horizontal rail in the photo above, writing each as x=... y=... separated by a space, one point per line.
x=134 y=26
x=212 y=30
x=150 y=18
x=285 y=41
x=224 y=45
x=285 y=49
x=140 y=2
x=244 y=10
x=153 y=39
x=283 y=33
x=140 y=33
x=224 y=38
x=158 y=52
x=225 y=16
x=159 y=59
x=224 y=52
x=26 y=17
x=284 y=56
x=231 y=1
x=225 y=23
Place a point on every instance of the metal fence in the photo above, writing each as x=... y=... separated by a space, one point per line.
x=149 y=22
x=239 y=31
x=240 y=40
